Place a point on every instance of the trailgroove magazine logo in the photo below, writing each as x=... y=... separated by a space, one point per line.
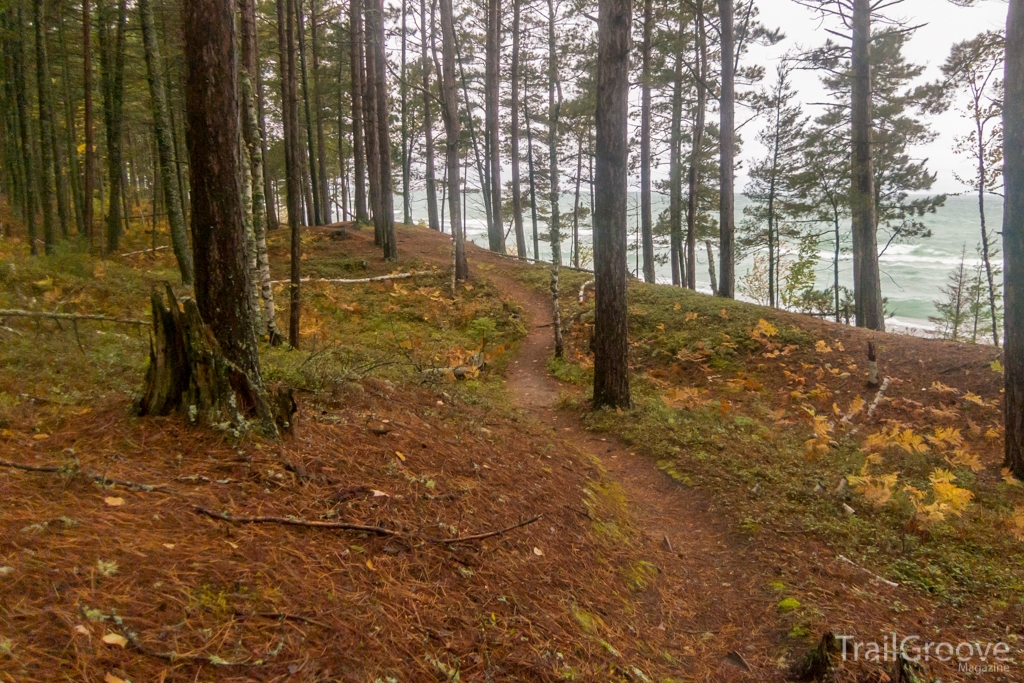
x=971 y=657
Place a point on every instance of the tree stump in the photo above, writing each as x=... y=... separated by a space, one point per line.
x=189 y=374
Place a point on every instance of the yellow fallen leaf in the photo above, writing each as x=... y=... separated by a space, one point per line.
x=41 y=437
x=660 y=327
x=98 y=272
x=677 y=307
x=113 y=501
x=115 y=639
x=1009 y=478
x=401 y=456
x=690 y=317
x=538 y=552
x=169 y=546
x=111 y=678
x=81 y=629
x=822 y=347
x=369 y=565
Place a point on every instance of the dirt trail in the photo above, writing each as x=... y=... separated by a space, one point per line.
x=711 y=590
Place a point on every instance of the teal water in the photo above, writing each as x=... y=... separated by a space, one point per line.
x=912 y=274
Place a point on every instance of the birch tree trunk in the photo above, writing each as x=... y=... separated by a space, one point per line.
x=693 y=181
x=517 y=192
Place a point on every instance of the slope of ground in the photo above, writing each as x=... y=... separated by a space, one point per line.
x=728 y=564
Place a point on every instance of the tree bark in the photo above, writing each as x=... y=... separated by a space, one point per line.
x=165 y=150
x=70 y=142
x=675 y=210
x=290 y=115
x=355 y=25
x=727 y=205
x=611 y=344
x=404 y=89
x=373 y=155
x=46 y=137
x=1013 y=236
x=452 y=124
x=314 y=203
x=492 y=72
x=321 y=145
x=27 y=148
x=693 y=178
x=517 y=192
x=867 y=285
x=576 y=204
x=428 y=116
x=211 y=89
x=646 y=221
x=112 y=63
x=88 y=182
x=554 y=108
x=252 y=135
x=533 y=180
x=386 y=219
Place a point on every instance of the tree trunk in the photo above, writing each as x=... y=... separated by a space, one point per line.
x=165 y=150
x=693 y=179
x=46 y=137
x=428 y=117
x=533 y=183
x=321 y=145
x=314 y=202
x=492 y=73
x=28 y=155
x=727 y=168
x=88 y=182
x=268 y=188
x=70 y=141
x=675 y=211
x=576 y=205
x=112 y=63
x=1013 y=237
x=647 y=223
x=290 y=115
x=404 y=89
x=373 y=155
x=452 y=124
x=517 y=191
x=867 y=286
x=386 y=220
x=554 y=107
x=211 y=89
x=252 y=135
x=355 y=26
x=611 y=343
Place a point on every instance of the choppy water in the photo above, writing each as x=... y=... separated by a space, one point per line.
x=912 y=274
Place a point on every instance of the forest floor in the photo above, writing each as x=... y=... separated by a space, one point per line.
x=715 y=532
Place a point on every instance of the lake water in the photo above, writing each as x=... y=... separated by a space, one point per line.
x=912 y=274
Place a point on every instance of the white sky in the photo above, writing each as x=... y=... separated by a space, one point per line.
x=946 y=24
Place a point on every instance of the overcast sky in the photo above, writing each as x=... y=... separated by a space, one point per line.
x=946 y=24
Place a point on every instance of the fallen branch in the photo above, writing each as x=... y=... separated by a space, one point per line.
x=379 y=530
x=878 y=398
x=15 y=313
x=583 y=291
x=489 y=534
x=173 y=656
x=102 y=479
x=333 y=281
x=145 y=251
x=874 y=576
x=282 y=615
x=298 y=521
